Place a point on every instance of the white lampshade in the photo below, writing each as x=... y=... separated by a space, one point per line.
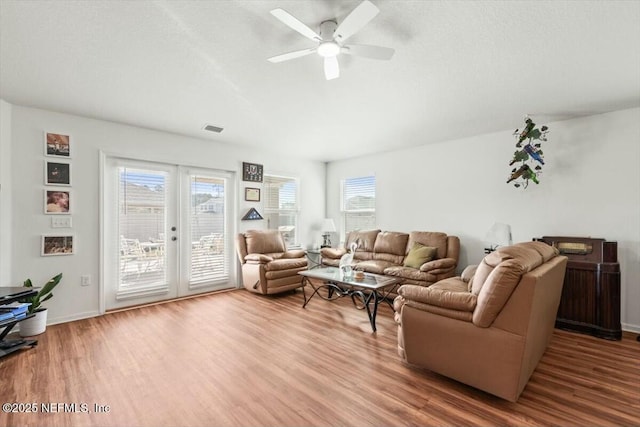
x=499 y=235
x=328 y=225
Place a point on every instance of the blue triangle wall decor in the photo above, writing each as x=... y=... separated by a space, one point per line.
x=252 y=214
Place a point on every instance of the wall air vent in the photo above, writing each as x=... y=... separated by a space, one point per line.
x=212 y=128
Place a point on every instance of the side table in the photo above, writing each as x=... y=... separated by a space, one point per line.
x=314 y=258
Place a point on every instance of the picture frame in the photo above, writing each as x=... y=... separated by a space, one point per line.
x=57 y=202
x=252 y=215
x=57 y=173
x=251 y=172
x=57 y=245
x=252 y=194
x=57 y=144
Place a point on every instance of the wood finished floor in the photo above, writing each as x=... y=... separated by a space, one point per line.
x=239 y=359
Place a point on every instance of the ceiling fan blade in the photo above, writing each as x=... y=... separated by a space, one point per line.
x=295 y=24
x=368 y=51
x=358 y=18
x=331 y=68
x=291 y=55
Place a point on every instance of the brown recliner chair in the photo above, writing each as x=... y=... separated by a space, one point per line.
x=267 y=266
x=489 y=327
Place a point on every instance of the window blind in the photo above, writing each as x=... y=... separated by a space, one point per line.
x=359 y=203
x=141 y=224
x=209 y=260
x=281 y=206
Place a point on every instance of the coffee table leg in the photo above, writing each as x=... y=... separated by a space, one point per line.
x=370 y=313
x=304 y=292
x=331 y=288
x=376 y=301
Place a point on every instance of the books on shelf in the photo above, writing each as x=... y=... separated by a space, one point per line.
x=6 y=315
x=14 y=310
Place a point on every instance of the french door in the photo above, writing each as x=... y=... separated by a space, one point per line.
x=167 y=231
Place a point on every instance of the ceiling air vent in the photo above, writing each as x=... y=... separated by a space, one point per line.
x=212 y=128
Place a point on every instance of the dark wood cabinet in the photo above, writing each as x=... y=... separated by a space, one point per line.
x=590 y=300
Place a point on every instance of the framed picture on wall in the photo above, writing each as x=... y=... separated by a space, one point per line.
x=57 y=144
x=57 y=202
x=53 y=245
x=57 y=173
x=251 y=172
x=252 y=194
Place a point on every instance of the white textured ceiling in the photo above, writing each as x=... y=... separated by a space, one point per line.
x=461 y=68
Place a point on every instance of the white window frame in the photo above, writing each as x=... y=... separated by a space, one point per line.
x=344 y=209
x=295 y=212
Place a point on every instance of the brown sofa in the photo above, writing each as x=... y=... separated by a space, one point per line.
x=487 y=328
x=267 y=266
x=386 y=252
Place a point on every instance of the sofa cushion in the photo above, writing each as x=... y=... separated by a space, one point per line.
x=419 y=254
x=365 y=239
x=410 y=273
x=374 y=266
x=363 y=255
x=258 y=258
x=391 y=242
x=264 y=241
x=496 y=290
x=441 y=297
x=546 y=252
x=527 y=256
x=479 y=277
x=334 y=253
x=429 y=238
x=455 y=284
x=294 y=253
x=286 y=264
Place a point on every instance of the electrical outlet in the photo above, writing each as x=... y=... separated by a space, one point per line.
x=61 y=222
x=85 y=280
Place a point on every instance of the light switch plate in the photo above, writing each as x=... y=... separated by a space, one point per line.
x=61 y=222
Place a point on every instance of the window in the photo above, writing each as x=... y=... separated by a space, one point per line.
x=359 y=203
x=281 y=206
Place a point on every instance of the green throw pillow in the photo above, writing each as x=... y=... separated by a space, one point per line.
x=419 y=254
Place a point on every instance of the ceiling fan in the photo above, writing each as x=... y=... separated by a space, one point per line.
x=331 y=38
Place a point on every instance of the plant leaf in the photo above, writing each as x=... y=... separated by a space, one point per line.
x=534 y=134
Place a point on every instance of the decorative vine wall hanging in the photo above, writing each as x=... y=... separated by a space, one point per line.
x=530 y=155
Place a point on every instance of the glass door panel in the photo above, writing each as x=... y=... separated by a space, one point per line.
x=208 y=251
x=142 y=222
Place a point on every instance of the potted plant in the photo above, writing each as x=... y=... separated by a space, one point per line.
x=38 y=323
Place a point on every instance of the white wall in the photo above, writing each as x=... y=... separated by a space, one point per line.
x=5 y=194
x=590 y=187
x=71 y=301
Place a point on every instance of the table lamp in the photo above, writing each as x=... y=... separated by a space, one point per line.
x=498 y=235
x=328 y=226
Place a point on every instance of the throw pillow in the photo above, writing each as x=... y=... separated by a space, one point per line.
x=419 y=254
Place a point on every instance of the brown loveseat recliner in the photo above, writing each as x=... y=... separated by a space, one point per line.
x=267 y=266
x=487 y=328
x=386 y=252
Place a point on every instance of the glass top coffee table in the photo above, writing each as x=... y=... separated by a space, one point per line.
x=371 y=290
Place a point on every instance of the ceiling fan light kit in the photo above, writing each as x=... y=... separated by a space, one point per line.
x=327 y=49
x=330 y=41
